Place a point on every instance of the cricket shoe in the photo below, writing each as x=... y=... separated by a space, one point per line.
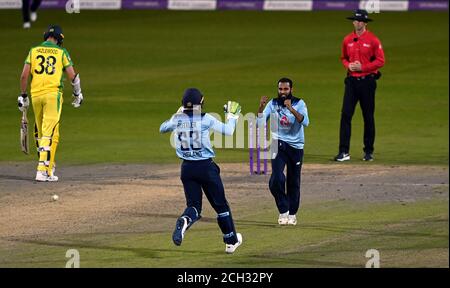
x=292 y=220
x=42 y=176
x=230 y=248
x=283 y=218
x=52 y=178
x=180 y=229
x=341 y=157
x=368 y=157
x=33 y=16
x=26 y=25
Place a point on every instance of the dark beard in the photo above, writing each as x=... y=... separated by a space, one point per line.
x=281 y=99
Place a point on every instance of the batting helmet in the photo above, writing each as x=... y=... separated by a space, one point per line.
x=56 y=32
x=192 y=97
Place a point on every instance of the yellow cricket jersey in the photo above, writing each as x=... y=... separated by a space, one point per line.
x=48 y=62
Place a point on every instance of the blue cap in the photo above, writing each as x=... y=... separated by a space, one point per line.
x=191 y=97
x=56 y=32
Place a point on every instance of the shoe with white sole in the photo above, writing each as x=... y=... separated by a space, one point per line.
x=292 y=220
x=230 y=248
x=341 y=157
x=33 y=16
x=180 y=229
x=26 y=25
x=283 y=218
x=41 y=176
x=52 y=178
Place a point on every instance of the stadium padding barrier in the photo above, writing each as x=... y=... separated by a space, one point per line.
x=280 y=5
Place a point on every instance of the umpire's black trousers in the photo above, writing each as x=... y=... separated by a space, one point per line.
x=291 y=158
x=362 y=90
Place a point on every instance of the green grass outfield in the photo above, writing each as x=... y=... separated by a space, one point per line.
x=330 y=234
x=135 y=65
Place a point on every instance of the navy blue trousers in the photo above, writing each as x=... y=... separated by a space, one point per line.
x=286 y=189
x=26 y=8
x=205 y=175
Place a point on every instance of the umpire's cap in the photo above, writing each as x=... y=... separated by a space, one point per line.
x=191 y=97
x=360 y=15
x=56 y=32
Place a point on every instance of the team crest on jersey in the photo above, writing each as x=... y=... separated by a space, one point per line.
x=284 y=121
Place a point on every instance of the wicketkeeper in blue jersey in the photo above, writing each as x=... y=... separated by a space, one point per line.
x=198 y=170
x=291 y=116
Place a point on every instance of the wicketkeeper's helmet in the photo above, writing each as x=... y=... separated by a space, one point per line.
x=56 y=32
x=191 y=98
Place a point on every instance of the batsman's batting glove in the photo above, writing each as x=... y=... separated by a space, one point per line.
x=23 y=102
x=76 y=85
x=232 y=109
x=78 y=100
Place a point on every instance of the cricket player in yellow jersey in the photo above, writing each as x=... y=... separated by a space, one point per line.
x=47 y=63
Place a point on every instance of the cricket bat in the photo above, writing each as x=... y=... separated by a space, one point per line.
x=24 y=133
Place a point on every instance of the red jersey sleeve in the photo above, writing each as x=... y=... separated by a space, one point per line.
x=344 y=55
x=378 y=57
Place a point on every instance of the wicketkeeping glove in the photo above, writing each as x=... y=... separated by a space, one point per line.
x=78 y=100
x=23 y=102
x=232 y=109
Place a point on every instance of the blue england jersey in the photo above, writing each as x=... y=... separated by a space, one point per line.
x=289 y=129
x=192 y=138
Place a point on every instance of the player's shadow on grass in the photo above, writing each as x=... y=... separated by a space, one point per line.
x=204 y=219
x=166 y=216
x=154 y=253
x=316 y=226
x=266 y=260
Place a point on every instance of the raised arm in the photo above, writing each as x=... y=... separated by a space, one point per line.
x=167 y=126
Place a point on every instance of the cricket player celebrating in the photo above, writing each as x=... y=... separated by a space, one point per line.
x=198 y=170
x=292 y=116
x=46 y=64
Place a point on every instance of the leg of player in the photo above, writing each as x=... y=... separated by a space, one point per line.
x=277 y=184
x=186 y=220
x=34 y=7
x=215 y=193
x=26 y=14
x=294 y=168
x=38 y=104
x=44 y=158
x=51 y=114
x=193 y=195
x=53 y=147
x=231 y=238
